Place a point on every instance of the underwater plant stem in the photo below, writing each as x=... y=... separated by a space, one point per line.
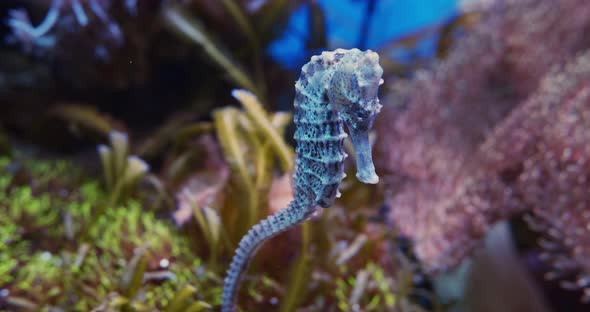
x=298 y=278
x=317 y=25
x=245 y=25
x=300 y=272
x=179 y=302
x=190 y=28
x=107 y=164
x=238 y=15
x=366 y=25
x=273 y=12
x=305 y=238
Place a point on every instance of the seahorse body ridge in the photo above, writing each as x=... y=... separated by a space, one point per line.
x=335 y=88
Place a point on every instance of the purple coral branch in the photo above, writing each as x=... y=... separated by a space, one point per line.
x=30 y=36
x=131 y=6
x=79 y=12
x=99 y=11
x=25 y=32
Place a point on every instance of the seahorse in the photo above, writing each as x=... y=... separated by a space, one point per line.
x=335 y=88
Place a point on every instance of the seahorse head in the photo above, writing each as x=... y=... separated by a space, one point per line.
x=352 y=90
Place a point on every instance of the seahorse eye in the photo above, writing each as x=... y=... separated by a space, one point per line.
x=361 y=114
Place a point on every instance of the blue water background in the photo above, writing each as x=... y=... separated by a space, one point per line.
x=391 y=19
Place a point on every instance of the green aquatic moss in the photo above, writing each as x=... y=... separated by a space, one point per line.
x=45 y=263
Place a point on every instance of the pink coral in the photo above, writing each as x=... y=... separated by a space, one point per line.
x=461 y=144
x=555 y=181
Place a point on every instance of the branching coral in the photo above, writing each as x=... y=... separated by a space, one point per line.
x=554 y=160
x=452 y=175
x=87 y=42
x=39 y=36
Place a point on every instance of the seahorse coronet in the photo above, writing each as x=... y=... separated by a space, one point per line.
x=335 y=88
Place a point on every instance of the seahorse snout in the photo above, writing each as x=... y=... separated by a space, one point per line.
x=367 y=176
x=365 y=169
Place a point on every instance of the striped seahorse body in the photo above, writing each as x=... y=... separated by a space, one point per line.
x=335 y=88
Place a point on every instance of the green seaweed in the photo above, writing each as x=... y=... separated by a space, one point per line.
x=121 y=171
x=258 y=134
